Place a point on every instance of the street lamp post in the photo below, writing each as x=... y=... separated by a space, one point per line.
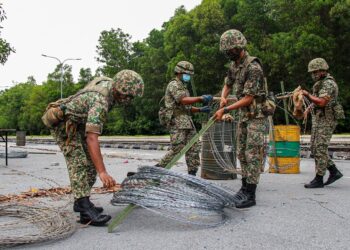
x=61 y=69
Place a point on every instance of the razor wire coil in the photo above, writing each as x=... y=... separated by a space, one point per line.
x=27 y=224
x=177 y=196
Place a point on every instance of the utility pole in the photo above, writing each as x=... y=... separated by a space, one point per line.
x=61 y=68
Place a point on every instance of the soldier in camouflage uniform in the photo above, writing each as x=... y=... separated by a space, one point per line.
x=324 y=120
x=85 y=114
x=178 y=103
x=245 y=77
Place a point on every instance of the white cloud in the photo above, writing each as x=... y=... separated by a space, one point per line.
x=70 y=29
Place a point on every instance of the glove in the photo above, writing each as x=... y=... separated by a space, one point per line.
x=205 y=109
x=207 y=99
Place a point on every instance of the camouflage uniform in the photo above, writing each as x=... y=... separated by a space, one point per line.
x=181 y=126
x=247 y=79
x=85 y=113
x=323 y=123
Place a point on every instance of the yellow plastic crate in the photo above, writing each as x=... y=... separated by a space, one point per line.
x=286 y=165
x=286 y=133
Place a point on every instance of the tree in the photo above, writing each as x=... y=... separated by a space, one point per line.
x=285 y=35
x=11 y=103
x=85 y=76
x=306 y=30
x=194 y=36
x=54 y=78
x=209 y=63
x=5 y=47
x=150 y=61
x=34 y=106
x=31 y=79
x=113 y=51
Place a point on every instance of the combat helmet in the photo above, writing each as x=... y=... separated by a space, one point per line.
x=184 y=67
x=231 y=39
x=317 y=64
x=128 y=82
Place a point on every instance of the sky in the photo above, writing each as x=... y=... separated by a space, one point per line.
x=70 y=29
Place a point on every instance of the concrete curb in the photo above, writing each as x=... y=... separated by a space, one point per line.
x=108 y=143
x=337 y=150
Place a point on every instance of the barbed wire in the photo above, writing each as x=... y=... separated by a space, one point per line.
x=24 y=220
x=177 y=196
x=222 y=138
x=33 y=224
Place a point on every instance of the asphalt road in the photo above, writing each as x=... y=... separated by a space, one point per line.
x=287 y=215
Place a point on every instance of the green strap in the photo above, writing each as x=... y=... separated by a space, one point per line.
x=126 y=211
x=120 y=217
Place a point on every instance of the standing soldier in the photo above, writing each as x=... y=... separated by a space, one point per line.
x=178 y=110
x=245 y=76
x=327 y=111
x=76 y=123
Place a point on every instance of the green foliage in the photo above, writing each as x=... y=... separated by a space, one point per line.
x=284 y=34
x=34 y=107
x=11 y=103
x=113 y=51
x=152 y=65
x=5 y=47
x=22 y=106
x=85 y=76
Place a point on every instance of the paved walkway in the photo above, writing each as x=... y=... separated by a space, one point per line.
x=287 y=215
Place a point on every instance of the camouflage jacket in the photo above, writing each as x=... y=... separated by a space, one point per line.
x=91 y=107
x=326 y=88
x=247 y=78
x=181 y=118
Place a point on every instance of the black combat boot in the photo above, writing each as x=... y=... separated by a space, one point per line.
x=334 y=174
x=77 y=208
x=249 y=199
x=317 y=182
x=89 y=214
x=241 y=193
x=192 y=172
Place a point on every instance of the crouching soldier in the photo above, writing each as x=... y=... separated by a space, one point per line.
x=76 y=123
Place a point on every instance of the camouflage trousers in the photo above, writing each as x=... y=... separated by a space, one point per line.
x=321 y=134
x=250 y=148
x=81 y=170
x=178 y=140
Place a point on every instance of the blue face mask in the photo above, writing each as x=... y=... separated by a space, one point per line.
x=186 y=77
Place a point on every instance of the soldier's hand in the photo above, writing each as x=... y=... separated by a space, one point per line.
x=206 y=99
x=107 y=180
x=223 y=102
x=218 y=114
x=305 y=93
x=205 y=109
